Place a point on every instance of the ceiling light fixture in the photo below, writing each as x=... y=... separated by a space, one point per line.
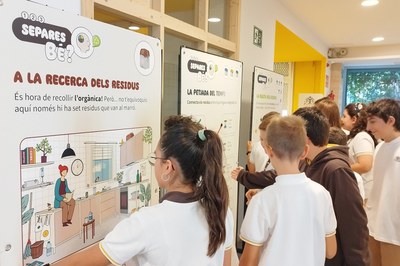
x=378 y=39
x=369 y=2
x=214 y=20
x=133 y=28
x=68 y=152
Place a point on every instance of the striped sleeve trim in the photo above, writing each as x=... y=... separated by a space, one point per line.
x=331 y=234
x=364 y=153
x=228 y=247
x=107 y=256
x=250 y=242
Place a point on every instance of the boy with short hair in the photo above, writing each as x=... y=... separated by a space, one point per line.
x=329 y=167
x=383 y=205
x=257 y=160
x=291 y=222
x=337 y=137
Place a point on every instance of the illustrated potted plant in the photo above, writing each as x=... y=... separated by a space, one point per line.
x=148 y=135
x=119 y=176
x=45 y=148
x=145 y=194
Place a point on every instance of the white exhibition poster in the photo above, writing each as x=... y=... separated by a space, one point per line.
x=210 y=91
x=80 y=112
x=267 y=97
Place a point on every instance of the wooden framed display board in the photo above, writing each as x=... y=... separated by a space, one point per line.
x=80 y=103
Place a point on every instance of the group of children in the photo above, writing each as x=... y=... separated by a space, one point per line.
x=287 y=222
x=309 y=211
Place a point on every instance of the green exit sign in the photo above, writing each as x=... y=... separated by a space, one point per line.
x=257 y=37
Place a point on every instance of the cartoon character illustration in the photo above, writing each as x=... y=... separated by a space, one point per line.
x=63 y=196
x=82 y=41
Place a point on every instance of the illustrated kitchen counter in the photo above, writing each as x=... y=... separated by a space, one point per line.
x=100 y=206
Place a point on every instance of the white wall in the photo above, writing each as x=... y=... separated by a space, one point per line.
x=385 y=55
x=263 y=14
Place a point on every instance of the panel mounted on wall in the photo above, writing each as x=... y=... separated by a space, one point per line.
x=68 y=75
x=210 y=90
x=267 y=97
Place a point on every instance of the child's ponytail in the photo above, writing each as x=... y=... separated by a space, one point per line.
x=212 y=189
x=199 y=154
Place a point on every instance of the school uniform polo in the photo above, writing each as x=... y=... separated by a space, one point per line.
x=290 y=221
x=258 y=157
x=360 y=184
x=362 y=144
x=383 y=206
x=172 y=233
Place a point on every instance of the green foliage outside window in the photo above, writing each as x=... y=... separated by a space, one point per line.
x=367 y=85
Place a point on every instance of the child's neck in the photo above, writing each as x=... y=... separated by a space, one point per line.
x=283 y=167
x=393 y=136
x=314 y=151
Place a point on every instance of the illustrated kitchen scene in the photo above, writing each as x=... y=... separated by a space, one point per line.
x=76 y=187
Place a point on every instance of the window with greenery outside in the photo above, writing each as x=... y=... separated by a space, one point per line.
x=367 y=85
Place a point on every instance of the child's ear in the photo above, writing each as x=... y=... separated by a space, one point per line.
x=305 y=152
x=353 y=119
x=268 y=151
x=391 y=120
x=169 y=166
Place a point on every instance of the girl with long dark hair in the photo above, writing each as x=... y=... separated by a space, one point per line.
x=193 y=224
x=361 y=142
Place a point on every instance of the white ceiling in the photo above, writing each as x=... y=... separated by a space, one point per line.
x=345 y=23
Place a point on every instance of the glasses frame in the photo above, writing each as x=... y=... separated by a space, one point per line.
x=152 y=156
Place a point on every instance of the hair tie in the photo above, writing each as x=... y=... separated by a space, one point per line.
x=359 y=107
x=201 y=135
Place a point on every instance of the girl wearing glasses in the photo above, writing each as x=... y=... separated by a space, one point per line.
x=193 y=224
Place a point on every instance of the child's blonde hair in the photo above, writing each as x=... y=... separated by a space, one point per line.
x=287 y=137
x=266 y=119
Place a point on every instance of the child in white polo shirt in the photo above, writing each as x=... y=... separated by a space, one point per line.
x=383 y=206
x=193 y=224
x=291 y=222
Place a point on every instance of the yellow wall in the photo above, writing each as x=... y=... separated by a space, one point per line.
x=309 y=64
x=307 y=78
